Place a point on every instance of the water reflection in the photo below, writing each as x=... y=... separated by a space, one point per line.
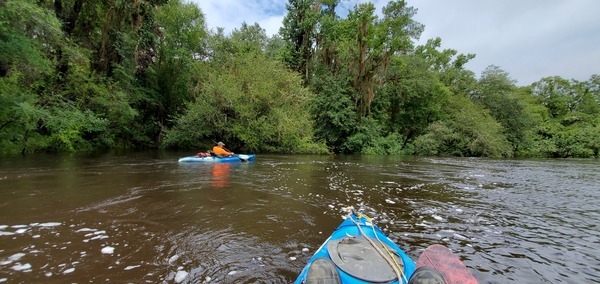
x=220 y=175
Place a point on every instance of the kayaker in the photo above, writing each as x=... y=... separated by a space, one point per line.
x=220 y=150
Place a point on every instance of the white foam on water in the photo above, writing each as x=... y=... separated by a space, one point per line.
x=22 y=267
x=173 y=259
x=131 y=267
x=180 y=276
x=70 y=270
x=232 y=272
x=18 y=226
x=21 y=231
x=86 y=230
x=49 y=224
x=437 y=217
x=460 y=237
x=16 y=257
x=108 y=250
x=6 y=233
x=3 y=280
x=99 y=237
x=2 y=227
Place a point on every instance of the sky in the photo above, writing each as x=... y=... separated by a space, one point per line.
x=529 y=39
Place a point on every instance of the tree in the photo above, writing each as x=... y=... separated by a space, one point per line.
x=333 y=110
x=469 y=131
x=556 y=95
x=28 y=34
x=371 y=44
x=250 y=38
x=252 y=102
x=298 y=31
x=169 y=79
x=571 y=128
x=412 y=98
x=497 y=92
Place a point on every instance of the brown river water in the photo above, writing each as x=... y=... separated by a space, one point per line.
x=145 y=218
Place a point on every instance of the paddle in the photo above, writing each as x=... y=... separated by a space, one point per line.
x=242 y=157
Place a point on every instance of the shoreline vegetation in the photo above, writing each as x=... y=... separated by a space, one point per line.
x=89 y=75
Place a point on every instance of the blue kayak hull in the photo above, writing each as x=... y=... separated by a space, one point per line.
x=349 y=228
x=236 y=158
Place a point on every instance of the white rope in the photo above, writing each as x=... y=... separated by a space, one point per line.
x=389 y=258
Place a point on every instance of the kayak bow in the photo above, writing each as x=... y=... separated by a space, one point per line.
x=361 y=253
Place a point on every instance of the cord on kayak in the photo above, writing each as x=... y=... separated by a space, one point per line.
x=389 y=253
x=389 y=257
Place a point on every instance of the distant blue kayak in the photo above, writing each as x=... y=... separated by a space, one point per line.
x=359 y=252
x=212 y=159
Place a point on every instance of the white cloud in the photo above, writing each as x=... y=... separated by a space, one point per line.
x=529 y=39
x=230 y=14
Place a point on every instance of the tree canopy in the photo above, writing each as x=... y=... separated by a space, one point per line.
x=85 y=75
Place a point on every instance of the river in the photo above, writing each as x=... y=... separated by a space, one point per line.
x=144 y=218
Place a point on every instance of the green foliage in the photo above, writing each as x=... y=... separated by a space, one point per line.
x=412 y=98
x=68 y=127
x=556 y=95
x=365 y=134
x=570 y=127
x=470 y=131
x=254 y=103
x=167 y=84
x=298 y=30
x=368 y=44
x=79 y=75
x=18 y=117
x=497 y=92
x=577 y=135
x=388 y=145
x=250 y=38
x=27 y=33
x=333 y=110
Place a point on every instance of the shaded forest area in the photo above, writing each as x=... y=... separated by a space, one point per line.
x=122 y=74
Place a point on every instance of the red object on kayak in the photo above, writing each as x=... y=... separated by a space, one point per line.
x=447 y=263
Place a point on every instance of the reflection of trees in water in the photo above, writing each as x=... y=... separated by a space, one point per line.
x=220 y=175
